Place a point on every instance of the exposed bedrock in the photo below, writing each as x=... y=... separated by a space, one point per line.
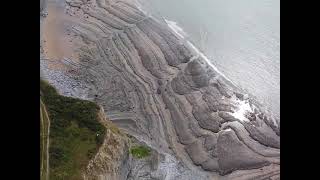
x=193 y=78
x=180 y=84
x=223 y=89
x=205 y=119
x=264 y=135
x=227 y=116
x=173 y=51
x=180 y=124
x=210 y=141
x=200 y=157
x=215 y=100
x=196 y=153
x=256 y=146
x=233 y=154
x=153 y=85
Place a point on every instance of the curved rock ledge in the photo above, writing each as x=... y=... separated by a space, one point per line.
x=153 y=85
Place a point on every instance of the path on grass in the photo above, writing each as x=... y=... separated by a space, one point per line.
x=45 y=125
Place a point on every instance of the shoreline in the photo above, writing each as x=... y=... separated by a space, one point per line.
x=175 y=28
x=161 y=89
x=266 y=106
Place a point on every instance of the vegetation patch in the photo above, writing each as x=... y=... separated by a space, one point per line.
x=140 y=151
x=44 y=125
x=75 y=133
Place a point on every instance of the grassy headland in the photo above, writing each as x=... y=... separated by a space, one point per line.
x=75 y=133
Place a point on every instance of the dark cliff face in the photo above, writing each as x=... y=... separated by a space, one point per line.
x=155 y=87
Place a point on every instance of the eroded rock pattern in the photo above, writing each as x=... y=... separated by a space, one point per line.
x=152 y=84
x=114 y=149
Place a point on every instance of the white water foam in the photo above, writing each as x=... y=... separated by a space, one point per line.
x=243 y=107
x=181 y=33
x=177 y=29
x=140 y=6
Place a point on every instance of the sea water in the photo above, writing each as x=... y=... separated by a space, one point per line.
x=240 y=37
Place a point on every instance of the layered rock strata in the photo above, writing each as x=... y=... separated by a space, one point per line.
x=154 y=86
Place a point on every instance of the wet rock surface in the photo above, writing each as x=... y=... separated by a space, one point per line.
x=156 y=88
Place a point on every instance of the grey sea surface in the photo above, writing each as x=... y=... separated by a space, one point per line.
x=240 y=37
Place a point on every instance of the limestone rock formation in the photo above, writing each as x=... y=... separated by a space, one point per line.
x=155 y=87
x=112 y=156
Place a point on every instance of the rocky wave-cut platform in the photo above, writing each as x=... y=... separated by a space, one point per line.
x=153 y=85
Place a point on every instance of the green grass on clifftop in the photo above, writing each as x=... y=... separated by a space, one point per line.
x=44 y=125
x=75 y=133
x=140 y=151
